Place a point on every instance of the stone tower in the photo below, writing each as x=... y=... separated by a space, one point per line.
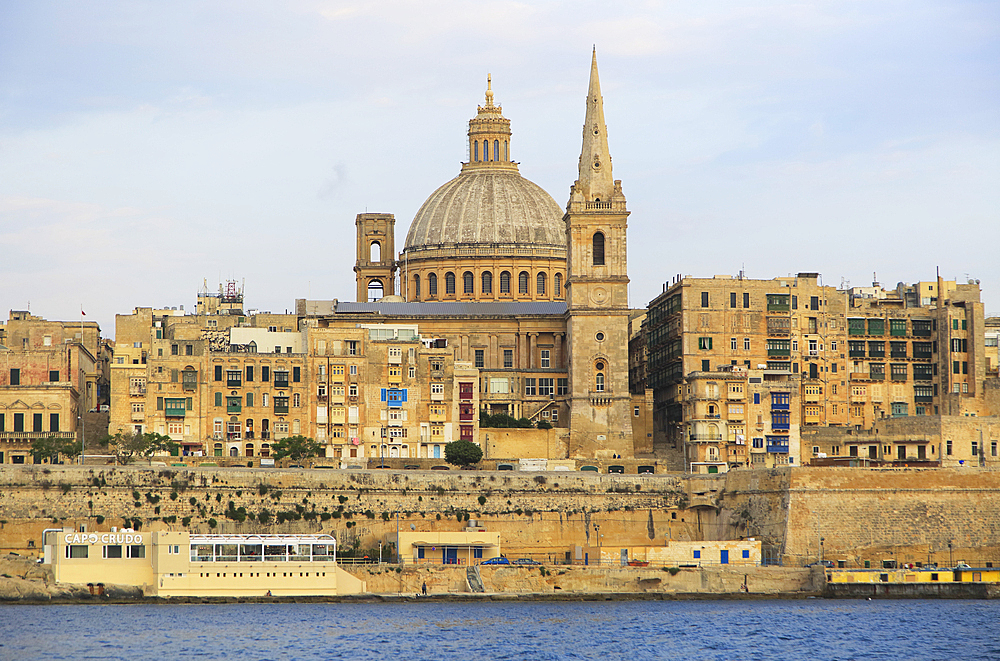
x=375 y=268
x=597 y=296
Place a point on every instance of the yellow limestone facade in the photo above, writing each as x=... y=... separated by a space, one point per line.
x=597 y=296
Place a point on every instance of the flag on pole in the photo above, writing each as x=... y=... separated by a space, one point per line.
x=82 y=313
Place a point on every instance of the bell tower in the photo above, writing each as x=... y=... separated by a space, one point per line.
x=375 y=267
x=597 y=296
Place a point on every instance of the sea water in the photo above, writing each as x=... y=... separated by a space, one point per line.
x=776 y=630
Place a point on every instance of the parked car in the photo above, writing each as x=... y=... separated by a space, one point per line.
x=525 y=561
x=440 y=468
x=616 y=469
x=505 y=467
x=411 y=467
x=496 y=561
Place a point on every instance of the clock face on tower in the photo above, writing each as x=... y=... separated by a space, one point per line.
x=599 y=295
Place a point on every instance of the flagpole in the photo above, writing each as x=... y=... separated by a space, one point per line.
x=83 y=409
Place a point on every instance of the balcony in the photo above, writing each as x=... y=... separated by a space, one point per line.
x=705 y=437
x=137 y=391
x=777 y=448
x=265 y=436
x=436 y=417
x=281 y=409
x=234 y=383
x=811 y=398
x=466 y=416
x=923 y=399
x=856 y=353
x=780 y=426
x=138 y=416
x=437 y=396
x=779 y=406
x=778 y=307
x=779 y=352
x=174 y=411
x=898 y=377
x=395 y=360
x=283 y=383
x=32 y=435
x=237 y=408
x=812 y=419
x=395 y=378
x=859 y=376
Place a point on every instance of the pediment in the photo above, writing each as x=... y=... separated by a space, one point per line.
x=18 y=404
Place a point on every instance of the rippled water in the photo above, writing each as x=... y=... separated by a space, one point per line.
x=695 y=630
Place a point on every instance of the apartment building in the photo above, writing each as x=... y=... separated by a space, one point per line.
x=848 y=357
x=52 y=374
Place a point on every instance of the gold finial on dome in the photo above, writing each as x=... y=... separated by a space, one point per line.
x=489 y=91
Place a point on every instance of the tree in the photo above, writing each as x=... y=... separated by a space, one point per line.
x=462 y=453
x=296 y=448
x=544 y=424
x=127 y=446
x=51 y=448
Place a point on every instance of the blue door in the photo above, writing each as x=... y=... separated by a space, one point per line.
x=450 y=555
x=724 y=559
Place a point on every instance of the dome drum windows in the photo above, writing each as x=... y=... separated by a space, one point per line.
x=540 y=284
x=505 y=282
x=487 y=286
x=522 y=282
x=449 y=284
x=416 y=287
x=468 y=283
x=432 y=285
x=557 y=285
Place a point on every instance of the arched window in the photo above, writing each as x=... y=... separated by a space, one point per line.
x=599 y=382
x=475 y=150
x=375 y=290
x=505 y=282
x=468 y=283
x=432 y=285
x=541 y=284
x=416 y=287
x=486 y=150
x=375 y=252
x=449 y=283
x=557 y=285
x=506 y=156
x=496 y=150
x=598 y=249
x=487 y=287
x=522 y=282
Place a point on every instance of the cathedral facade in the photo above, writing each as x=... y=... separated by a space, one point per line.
x=532 y=296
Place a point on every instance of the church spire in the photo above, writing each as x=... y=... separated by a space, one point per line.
x=596 y=181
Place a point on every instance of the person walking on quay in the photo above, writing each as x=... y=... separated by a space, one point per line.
x=423 y=588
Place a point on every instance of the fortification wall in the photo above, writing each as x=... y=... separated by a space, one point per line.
x=905 y=515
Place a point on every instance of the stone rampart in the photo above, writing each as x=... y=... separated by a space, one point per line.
x=859 y=514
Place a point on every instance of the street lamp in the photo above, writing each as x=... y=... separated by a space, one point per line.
x=951 y=561
x=821 y=540
x=597 y=533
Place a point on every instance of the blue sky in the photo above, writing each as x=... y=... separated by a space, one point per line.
x=146 y=147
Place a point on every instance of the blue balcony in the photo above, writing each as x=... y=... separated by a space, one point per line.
x=777 y=444
x=780 y=426
x=779 y=406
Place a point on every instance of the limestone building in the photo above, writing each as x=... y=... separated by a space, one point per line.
x=52 y=375
x=851 y=358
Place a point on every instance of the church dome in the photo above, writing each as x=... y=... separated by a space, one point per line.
x=493 y=205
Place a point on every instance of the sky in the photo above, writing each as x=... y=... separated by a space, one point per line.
x=149 y=148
